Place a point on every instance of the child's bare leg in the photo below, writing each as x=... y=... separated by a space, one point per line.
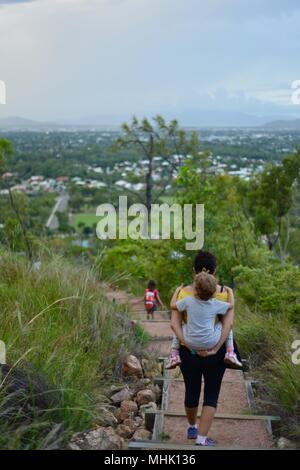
x=229 y=340
x=175 y=345
x=230 y=356
x=174 y=358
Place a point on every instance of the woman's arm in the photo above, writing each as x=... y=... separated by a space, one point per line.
x=227 y=323
x=226 y=327
x=230 y=299
x=174 y=298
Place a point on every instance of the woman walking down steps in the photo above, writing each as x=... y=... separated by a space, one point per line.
x=233 y=427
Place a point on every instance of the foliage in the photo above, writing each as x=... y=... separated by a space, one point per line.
x=266 y=340
x=269 y=199
x=272 y=289
x=167 y=141
x=56 y=317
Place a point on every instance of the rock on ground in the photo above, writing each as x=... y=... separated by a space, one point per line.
x=123 y=394
x=284 y=443
x=133 y=424
x=141 y=435
x=145 y=396
x=132 y=367
x=97 y=439
x=128 y=409
x=149 y=408
x=107 y=416
x=125 y=431
x=141 y=384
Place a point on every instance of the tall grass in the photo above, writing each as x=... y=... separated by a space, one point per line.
x=266 y=339
x=59 y=321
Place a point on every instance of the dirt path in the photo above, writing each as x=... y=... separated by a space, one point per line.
x=235 y=425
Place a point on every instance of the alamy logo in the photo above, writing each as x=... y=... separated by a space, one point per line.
x=296 y=353
x=296 y=93
x=163 y=223
x=2 y=353
x=2 y=92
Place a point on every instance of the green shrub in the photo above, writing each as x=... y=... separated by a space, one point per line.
x=265 y=335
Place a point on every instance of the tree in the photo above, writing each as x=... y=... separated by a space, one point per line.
x=269 y=200
x=228 y=233
x=158 y=139
x=6 y=150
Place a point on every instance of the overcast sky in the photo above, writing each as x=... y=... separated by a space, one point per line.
x=76 y=59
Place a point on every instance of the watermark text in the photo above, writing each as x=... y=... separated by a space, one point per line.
x=162 y=223
x=2 y=352
x=296 y=93
x=2 y=92
x=296 y=353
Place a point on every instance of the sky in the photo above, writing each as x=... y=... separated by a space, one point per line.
x=203 y=62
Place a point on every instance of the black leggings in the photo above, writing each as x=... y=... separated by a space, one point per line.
x=193 y=367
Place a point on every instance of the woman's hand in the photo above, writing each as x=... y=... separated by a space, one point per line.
x=228 y=289
x=178 y=289
x=206 y=352
x=230 y=296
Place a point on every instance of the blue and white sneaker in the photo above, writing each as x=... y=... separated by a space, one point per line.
x=192 y=432
x=208 y=443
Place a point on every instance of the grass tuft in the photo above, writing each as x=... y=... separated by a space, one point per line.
x=65 y=342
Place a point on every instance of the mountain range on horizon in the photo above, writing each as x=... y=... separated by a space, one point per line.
x=194 y=119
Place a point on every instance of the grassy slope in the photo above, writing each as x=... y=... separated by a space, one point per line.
x=266 y=341
x=76 y=343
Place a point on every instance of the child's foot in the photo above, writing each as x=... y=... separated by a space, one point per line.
x=232 y=360
x=192 y=432
x=173 y=360
x=206 y=442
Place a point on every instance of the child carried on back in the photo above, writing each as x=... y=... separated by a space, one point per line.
x=200 y=332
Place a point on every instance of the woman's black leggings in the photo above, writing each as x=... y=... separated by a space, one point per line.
x=193 y=367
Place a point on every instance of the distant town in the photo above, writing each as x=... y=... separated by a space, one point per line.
x=84 y=159
x=65 y=175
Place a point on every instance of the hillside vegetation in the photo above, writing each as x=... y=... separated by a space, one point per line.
x=65 y=342
x=58 y=321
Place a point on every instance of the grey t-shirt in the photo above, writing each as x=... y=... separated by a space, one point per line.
x=200 y=331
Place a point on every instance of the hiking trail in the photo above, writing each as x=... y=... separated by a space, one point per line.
x=236 y=425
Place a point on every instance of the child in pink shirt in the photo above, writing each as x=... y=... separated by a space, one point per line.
x=151 y=299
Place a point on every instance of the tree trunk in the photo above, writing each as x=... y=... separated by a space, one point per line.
x=283 y=245
x=149 y=180
x=270 y=243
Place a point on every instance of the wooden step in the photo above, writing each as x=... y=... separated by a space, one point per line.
x=160 y=380
x=154 y=321
x=155 y=313
x=164 y=445
x=161 y=338
x=220 y=415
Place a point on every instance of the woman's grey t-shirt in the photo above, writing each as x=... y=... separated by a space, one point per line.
x=200 y=331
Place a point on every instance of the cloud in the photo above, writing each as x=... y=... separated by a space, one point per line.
x=8 y=2
x=69 y=58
